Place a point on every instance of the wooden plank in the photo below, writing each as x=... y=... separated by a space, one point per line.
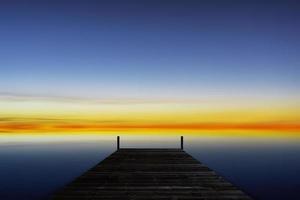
x=150 y=174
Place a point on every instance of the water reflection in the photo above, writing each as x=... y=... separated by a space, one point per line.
x=264 y=168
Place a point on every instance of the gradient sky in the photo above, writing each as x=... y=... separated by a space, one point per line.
x=164 y=52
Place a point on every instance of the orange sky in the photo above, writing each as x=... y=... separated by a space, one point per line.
x=45 y=115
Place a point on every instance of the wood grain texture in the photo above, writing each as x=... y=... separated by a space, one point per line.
x=137 y=174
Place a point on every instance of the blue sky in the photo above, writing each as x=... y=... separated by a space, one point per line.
x=145 y=49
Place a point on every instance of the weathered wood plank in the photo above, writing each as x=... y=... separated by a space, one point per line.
x=150 y=174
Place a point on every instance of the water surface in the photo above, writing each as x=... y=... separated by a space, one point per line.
x=263 y=168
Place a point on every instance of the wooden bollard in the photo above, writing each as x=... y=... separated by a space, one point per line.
x=118 y=142
x=181 y=142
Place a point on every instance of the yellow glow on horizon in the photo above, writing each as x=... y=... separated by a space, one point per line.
x=161 y=116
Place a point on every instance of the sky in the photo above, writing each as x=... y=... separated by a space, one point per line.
x=149 y=65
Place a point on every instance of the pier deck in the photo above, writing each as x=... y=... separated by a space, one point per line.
x=150 y=174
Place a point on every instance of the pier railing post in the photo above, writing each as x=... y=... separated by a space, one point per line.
x=181 y=142
x=118 y=142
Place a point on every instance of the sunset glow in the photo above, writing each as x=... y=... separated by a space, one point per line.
x=58 y=115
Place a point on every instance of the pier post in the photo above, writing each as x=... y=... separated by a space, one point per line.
x=118 y=142
x=181 y=142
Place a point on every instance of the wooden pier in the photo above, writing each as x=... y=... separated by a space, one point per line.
x=140 y=174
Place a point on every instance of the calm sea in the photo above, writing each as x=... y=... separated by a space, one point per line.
x=266 y=169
